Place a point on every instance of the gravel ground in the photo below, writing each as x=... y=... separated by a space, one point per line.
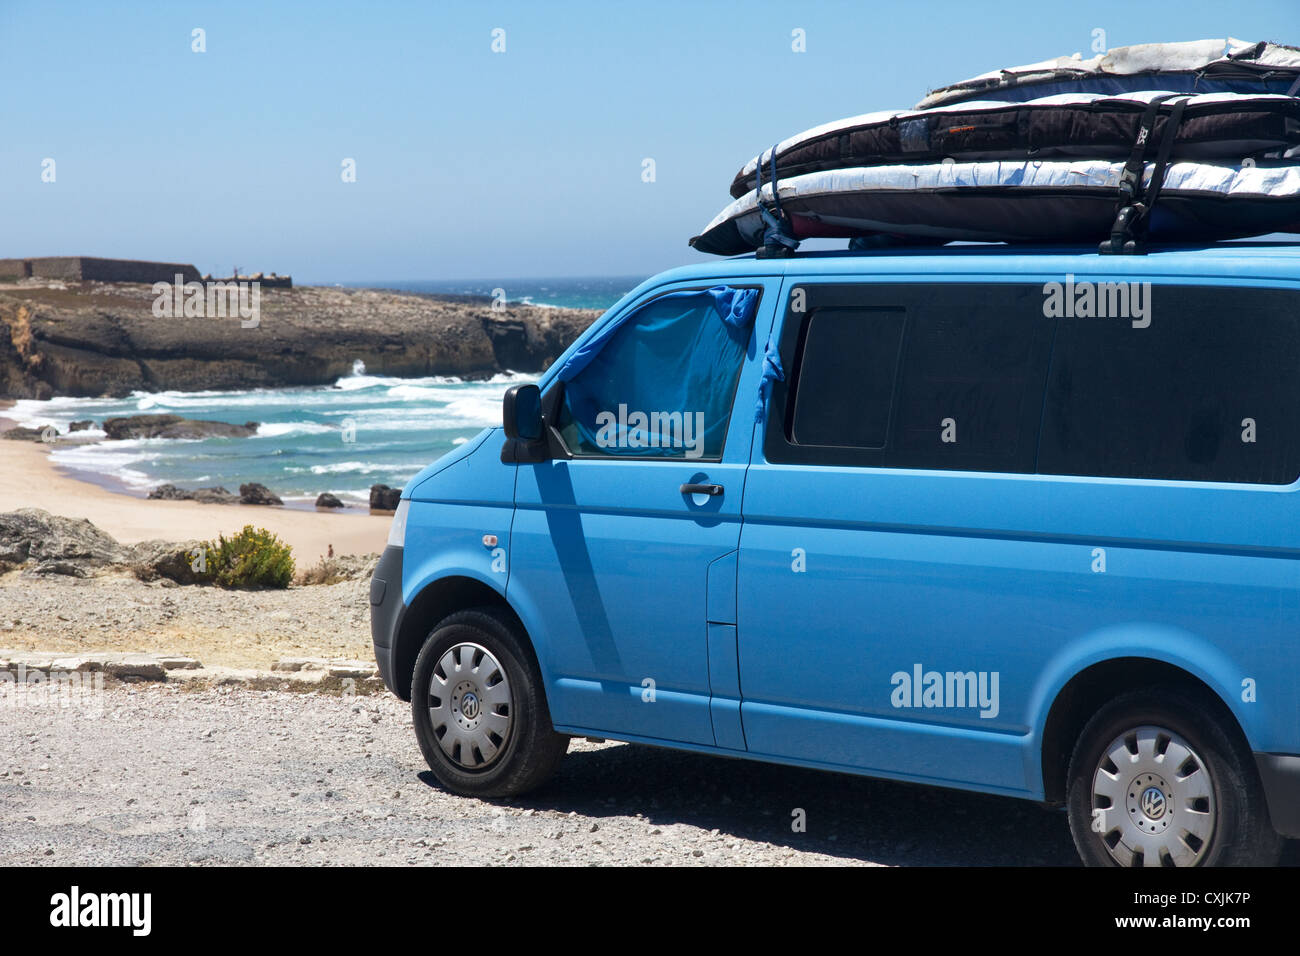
x=149 y=774
x=115 y=612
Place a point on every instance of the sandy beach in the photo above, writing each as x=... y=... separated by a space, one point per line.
x=28 y=479
x=115 y=612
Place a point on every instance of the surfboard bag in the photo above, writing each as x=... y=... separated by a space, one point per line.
x=1199 y=66
x=1010 y=201
x=1216 y=126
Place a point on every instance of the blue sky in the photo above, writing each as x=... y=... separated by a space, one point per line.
x=469 y=163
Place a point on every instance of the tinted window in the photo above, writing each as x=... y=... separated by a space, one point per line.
x=851 y=358
x=971 y=389
x=1184 y=397
x=940 y=376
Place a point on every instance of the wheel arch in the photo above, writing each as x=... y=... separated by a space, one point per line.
x=436 y=600
x=1099 y=683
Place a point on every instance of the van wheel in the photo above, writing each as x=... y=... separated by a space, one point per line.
x=479 y=708
x=1155 y=781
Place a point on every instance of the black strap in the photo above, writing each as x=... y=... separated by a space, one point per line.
x=1295 y=87
x=1162 y=158
x=776 y=195
x=1130 y=181
x=1135 y=205
x=778 y=240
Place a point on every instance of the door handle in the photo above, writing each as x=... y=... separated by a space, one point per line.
x=691 y=488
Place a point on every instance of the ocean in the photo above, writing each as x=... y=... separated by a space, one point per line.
x=598 y=292
x=341 y=438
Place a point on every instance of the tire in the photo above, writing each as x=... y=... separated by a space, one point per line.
x=479 y=707
x=1188 y=796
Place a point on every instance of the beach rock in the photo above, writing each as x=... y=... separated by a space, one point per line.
x=81 y=426
x=173 y=426
x=33 y=536
x=254 y=493
x=356 y=567
x=384 y=498
x=19 y=433
x=216 y=495
x=44 y=544
x=169 y=493
x=97 y=339
x=343 y=567
x=327 y=500
x=67 y=568
x=207 y=496
x=171 y=560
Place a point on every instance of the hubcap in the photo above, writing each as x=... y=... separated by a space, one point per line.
x=470 y=706
x=1153 y=800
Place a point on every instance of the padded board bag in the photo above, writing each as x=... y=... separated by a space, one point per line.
x=1197 y=66
x=1010 y=201
x=1229 y=127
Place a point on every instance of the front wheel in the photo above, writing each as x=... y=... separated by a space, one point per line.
x=1156 y=781
x=479 y=708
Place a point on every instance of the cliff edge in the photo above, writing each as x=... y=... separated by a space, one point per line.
x=87 y=338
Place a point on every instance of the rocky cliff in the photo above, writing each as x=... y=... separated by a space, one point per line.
x=103 y=339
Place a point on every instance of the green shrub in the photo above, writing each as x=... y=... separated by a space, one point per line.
x=254 y=558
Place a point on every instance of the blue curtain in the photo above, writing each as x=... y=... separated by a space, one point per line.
x=659 y=381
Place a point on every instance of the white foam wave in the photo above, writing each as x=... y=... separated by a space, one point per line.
x=281 y=429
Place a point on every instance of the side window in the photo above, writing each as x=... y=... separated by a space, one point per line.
x=970 y=391
x=847 y=395
x=943 y=376
x=663 y=383
x=1208 y=391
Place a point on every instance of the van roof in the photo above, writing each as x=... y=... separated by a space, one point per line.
x=1258 y=260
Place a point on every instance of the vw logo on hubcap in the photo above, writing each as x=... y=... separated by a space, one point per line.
x=1153 y=803
x=469 y=705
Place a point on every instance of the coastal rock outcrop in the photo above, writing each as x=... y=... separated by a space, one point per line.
x=173 y=426
x=19 y=433
x=90 y=338
x=51 y=544
x=42 y=543
x=169 y=492
x=254 y=493
x=384 y=498
x=213 y=495
x=39 y=543
x=327 y=500
x=150 y=560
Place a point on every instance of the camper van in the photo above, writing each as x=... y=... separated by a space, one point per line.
x=1016 y=520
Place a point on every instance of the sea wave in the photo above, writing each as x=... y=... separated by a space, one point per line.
x=282 y=429
x=399 y=426
x=118 y=466
x=352 y=467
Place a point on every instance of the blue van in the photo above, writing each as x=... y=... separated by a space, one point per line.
x=1019 y=521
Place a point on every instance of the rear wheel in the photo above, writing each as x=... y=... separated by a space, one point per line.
x=479 y=708
x=1156 y=781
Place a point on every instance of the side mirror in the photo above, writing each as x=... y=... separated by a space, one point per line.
x=522 y=412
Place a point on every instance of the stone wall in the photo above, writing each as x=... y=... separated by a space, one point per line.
x=106 y=270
